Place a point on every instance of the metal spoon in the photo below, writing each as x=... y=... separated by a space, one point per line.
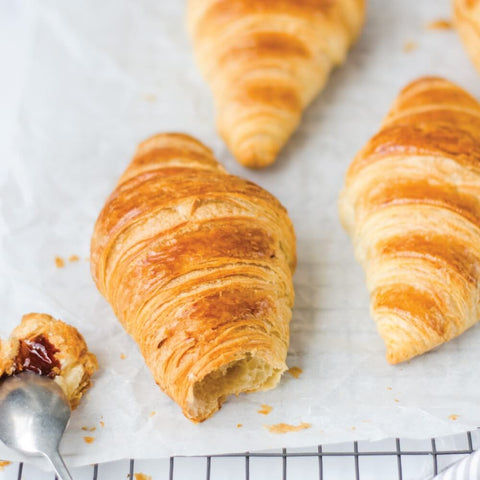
x=34 y=413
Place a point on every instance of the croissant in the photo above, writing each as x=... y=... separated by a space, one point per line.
x=197 y=265
x=466 y=15
x=411 y=204
x=49 y=347
x=265 y=61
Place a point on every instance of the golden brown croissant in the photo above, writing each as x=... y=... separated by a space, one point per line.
x=467 y=21
x=411 y=204
x=49 y=347
x=265 y=61
x=197 y=265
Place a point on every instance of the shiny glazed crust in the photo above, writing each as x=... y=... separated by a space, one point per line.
x=197 y=265
x=466 y=14
x=77 y=364
x=265 y=61
x=411 y=204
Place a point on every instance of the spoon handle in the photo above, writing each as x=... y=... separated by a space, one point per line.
x=59 y=466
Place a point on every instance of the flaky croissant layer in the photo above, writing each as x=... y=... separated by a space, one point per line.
x=265 y=61
x=197 y=265
x=411 y=204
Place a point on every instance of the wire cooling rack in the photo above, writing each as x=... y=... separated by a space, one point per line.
x=393 y=459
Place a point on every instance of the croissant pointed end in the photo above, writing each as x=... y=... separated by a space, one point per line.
x=392 y=358
x=258 y=152
x=403 y=352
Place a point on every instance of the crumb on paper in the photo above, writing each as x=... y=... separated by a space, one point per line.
x=73 y=258
x=239 y=425
x=440 y=24
x=142 y=476
x=265 y=409
x=59 y=262
x=152 y=413
x=409 y=46
x=286 y=428
x=89 y=429
x=295 y=371
x=354 y=428
x=3 y=464
x=150 y=97
x=123 y=356
x=396 y=400
x=389 y=388
x=88 y=439
x=453 y=416
x=102 y=424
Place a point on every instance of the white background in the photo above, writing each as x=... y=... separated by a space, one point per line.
x=326 y=134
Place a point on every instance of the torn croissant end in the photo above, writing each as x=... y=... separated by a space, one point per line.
x=49 y=347
x=248 y=374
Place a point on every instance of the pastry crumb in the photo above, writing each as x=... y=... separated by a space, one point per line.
x=142 y=476
x=396 y=400
x=88 y=439
x=73 y=258
x=265 y=410
x=409 y=46
x=3 y=464
x=59 y=262
x=152 y=413
x=102 y=424
x=150 y=97
x=123 y=356
x=453 y=416
x=239 y=425
x=389 y=388
x=286 y=428
x=354 y=428
x=295 y=371
x=440 y=24
x=89 y=429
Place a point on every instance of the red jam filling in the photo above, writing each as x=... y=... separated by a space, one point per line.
x=37 y=355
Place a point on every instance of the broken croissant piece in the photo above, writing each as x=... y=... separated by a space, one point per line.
x=265 y=61
x=411 y=204
x=197 y=265
x=49 y=347
x=466 y=14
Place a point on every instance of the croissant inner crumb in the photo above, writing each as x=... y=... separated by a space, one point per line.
x=246 y=374
x=37 y=355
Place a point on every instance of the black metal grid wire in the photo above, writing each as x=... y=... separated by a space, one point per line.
x=356 y=454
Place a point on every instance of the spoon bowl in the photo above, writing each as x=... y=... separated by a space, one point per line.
x=34 y=413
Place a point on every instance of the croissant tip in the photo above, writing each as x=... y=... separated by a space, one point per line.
x=401 y=354
x=257 y=154
x=392 y=359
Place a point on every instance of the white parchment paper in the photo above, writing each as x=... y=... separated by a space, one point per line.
x=105 y=75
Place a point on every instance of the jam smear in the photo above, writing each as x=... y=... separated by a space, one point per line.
x=37 y=355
